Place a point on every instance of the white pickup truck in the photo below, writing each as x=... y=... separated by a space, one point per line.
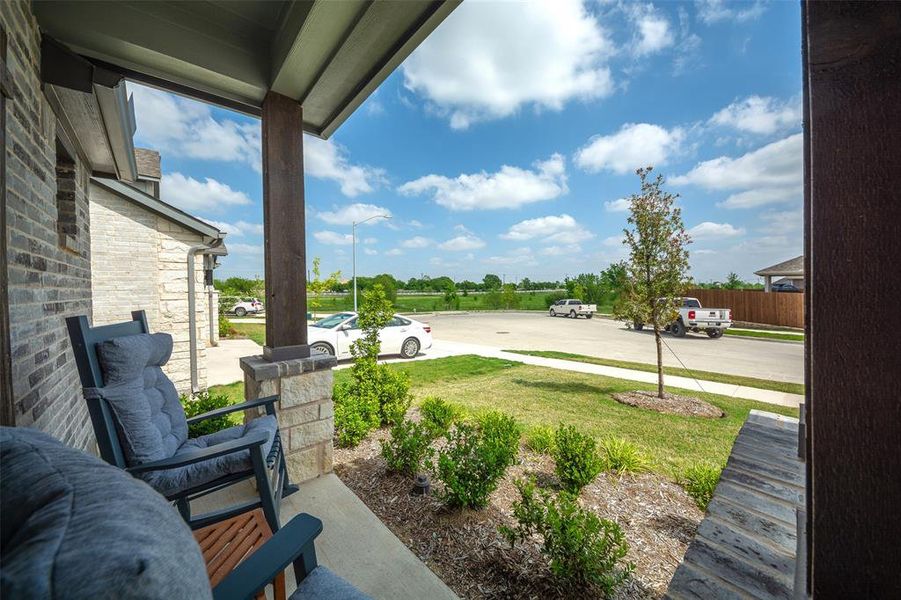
x=693 y=317
x=572 y=308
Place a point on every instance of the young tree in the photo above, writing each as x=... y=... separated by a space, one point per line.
x=658 y=260
x=319 y=286
x=491 y=282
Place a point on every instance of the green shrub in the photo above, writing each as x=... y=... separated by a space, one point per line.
x=622 y=456
x=553 y=297
x=474 y=460
x=202 y=402
x=408 y=447
x=700 y=482
x=576 y=457
x=375 y=395
x=356 y=414
x=226 y=329
x=583 y=549
x=437 y=415
x=541 y=439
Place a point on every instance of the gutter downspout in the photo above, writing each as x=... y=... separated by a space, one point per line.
x=192 y=304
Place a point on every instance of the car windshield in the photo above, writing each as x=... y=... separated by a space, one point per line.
x=691 y=303
x=332 y=321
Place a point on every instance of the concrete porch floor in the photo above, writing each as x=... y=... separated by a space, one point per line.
x=354 y=543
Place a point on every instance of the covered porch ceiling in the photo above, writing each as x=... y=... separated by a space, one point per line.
x=326 y=55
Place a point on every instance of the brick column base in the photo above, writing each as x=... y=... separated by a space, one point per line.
x=305 y=410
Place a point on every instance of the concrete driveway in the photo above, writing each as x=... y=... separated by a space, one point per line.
x=782 y=361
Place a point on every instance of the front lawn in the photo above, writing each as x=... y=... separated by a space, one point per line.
x=254 y=331
x=764 y=384
x=540 y=396
x=767 y=335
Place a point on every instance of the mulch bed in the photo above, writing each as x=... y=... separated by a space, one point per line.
x=671 y=403
x=466 y=551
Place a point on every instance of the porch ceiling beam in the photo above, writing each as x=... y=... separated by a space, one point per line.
x=284 y=238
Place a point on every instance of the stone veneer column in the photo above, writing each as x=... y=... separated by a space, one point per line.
x=305 y=410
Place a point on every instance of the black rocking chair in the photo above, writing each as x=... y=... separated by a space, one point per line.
x=131 y=401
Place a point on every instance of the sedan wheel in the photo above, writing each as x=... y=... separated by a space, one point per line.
x=240 y=311
x=410 y=348
x=323 y=348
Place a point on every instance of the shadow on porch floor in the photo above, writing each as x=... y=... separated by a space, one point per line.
x=354 y=543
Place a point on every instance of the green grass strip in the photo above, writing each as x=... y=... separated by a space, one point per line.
x=770 y=335
x=763 y=384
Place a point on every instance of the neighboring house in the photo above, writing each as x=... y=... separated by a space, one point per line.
x=790 y=271
x=139 y=261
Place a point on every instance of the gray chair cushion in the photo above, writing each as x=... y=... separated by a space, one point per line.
x=72 y=526
x=323 y=583
x=172 y=481
x=150 y=420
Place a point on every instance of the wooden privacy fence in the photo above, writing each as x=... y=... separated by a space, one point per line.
x=756 y=306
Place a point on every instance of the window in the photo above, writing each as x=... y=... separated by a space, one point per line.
x=66 y=204
x=691 y=303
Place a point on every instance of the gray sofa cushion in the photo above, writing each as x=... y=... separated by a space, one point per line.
x=323 y=583
x=172 y=481
x=72 y=526
x=150 y=420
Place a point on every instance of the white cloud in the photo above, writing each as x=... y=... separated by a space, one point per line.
x=325 y=159
x=709 y=230
x=369 y=252
x=333 y=238
x=652 y=29
x=370 y=240
x=762 y=196
x=467 y=241
x=567 y=250
x=713 y=11
x=619 y=205
x=561 y=229
x=634 y=145
x=416 y=242
x=186 y=128
x=415 y=224
x=768 y=175
x=548 y=54
x=614 y=241
x=511 y=187
x=760 y=115
x=394 y=252
x=519 y=257
x=252 y=249
x=357 y=212
x=191 y=195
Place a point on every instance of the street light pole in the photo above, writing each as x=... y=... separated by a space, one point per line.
x=353 y=230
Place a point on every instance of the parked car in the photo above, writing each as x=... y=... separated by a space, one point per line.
x=693 y=317
x=335 y=334
x=252 y=306
x=786 y=286
x=572 y=308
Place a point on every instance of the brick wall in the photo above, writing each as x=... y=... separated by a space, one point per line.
x=49 y=274
x=139 y=261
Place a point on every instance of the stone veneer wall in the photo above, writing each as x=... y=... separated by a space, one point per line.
x=306 y=413
x=49 y=270
x=139 y=261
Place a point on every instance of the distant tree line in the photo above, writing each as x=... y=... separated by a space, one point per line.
x=733 y=282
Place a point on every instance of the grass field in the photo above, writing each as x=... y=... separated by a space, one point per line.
x=764 y=384
x=539 y=396
x=772 y=335
x=254 y=331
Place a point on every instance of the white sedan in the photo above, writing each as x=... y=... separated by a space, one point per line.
x=335 y=334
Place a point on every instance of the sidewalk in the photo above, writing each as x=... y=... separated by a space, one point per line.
x=222 y=368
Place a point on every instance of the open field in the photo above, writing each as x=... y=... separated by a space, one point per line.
x=527 y=301
x=541 y=396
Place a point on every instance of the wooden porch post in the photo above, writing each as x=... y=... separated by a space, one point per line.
x=284 y=229
x=852 y=224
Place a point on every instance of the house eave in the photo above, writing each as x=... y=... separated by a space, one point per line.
x=136 y=196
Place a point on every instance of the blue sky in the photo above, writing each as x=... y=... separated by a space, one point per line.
x=508 y=140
